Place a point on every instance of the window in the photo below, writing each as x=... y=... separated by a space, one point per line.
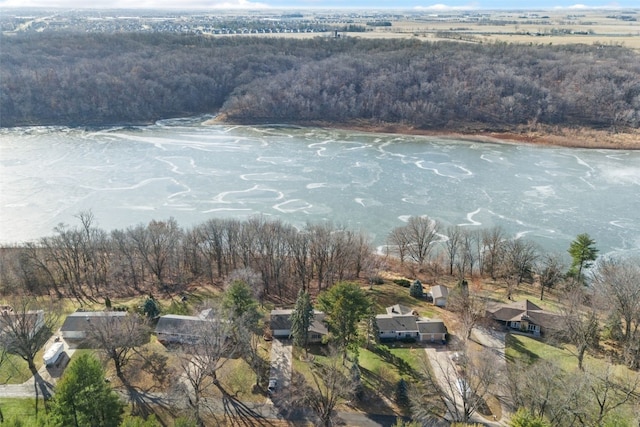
x=515 y=325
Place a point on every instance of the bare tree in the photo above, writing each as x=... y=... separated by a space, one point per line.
x=421 y=232
x=519 y=256
x=617 y=282
x=201 y=360
x=580 y=324
x=493 y=240
x=469 y=306
x=157 y=244
x=330 y=385
x=117 y=337
x=26 y=329
x=398 y=242
x=461 y=386
x=607 y=392
x=452 y=245
x=550 y=272
x=469 y=253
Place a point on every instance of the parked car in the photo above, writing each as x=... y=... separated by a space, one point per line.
x=273 y=385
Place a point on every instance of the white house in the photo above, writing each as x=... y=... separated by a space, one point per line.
x=403 y=323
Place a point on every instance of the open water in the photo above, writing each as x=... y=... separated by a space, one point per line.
x=186 y=170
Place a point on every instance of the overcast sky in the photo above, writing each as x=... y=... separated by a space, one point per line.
x=316 y=4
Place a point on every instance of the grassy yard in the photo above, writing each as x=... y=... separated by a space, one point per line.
x=21 y=411
x=389 y=294
x=14 y=370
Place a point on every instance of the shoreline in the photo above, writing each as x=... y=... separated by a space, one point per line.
x=539 y=135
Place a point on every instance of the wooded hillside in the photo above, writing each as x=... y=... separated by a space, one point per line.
x=104 y=79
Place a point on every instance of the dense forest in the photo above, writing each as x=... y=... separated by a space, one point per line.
x=104 y=79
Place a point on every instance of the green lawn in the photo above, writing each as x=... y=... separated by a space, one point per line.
x=524 y=348
x=14 y=370
x=20 y=410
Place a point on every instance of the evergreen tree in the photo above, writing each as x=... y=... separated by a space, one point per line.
x=415 y=290
x=301 y=319
x=83 y=398
x=356 y=377
x=583 y=252
x=239 y=299
x=346 y=305
x=402 y=393
x=524 y=418
x=151 y=308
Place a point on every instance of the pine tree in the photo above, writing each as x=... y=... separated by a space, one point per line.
x=415 y=290
x=83 y=398
x=301 y=319
x=583 y=252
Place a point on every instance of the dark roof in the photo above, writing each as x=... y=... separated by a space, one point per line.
x=406 y=323
x=281 y=319
x=431 y=326
x=392 y=322
x=178 y=325
x=81 y=320
x=525 y=310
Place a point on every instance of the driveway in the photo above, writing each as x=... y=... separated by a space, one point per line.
x=48 y=375
x=281 y=364
x=444 y=369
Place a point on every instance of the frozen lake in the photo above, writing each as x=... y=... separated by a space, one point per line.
x=182 y=169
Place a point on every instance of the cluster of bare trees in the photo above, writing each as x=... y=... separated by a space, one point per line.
x=468 y=252
x=87 y=263
x=591 y=397
x=88 y=79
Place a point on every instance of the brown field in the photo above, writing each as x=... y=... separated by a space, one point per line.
x=563 y=26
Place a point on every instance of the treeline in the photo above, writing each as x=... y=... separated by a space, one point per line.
x=102 y=79
x=88 y=263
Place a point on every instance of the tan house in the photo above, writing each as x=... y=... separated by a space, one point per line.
x=525 y=316
x=402 y=323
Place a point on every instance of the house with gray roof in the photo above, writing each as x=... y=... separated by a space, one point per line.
x=402 y=323
x=525 y=316
x=77 y=325
x=176 y=328
x=280 y=324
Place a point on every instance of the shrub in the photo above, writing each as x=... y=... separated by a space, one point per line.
x=402 y=282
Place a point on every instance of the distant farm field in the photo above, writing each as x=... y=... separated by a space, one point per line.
x=601 y=27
